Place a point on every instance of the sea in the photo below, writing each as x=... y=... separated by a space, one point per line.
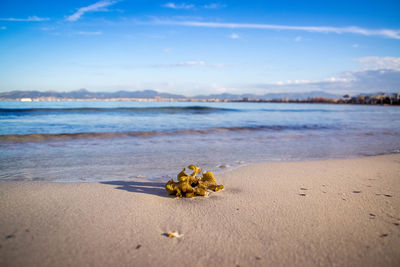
x=94 y=141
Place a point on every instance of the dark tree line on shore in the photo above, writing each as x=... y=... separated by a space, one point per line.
x=378 y=99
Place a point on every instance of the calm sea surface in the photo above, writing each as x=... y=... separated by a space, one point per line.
x=103 y=141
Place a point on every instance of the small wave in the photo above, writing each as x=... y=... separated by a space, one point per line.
x=26 y=138
x=188 y=109
x=298 y=110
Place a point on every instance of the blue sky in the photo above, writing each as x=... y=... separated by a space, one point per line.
x=200 y=47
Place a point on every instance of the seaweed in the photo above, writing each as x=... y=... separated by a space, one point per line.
x=191 y=185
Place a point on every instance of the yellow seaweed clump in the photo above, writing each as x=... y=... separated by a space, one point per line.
x=190 y=185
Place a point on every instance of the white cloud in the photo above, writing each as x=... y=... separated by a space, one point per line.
x=178 y=6
x=96 y=7
x=89 y=33
x=29 y=19
x=234 y=36
x=288 y=82
x=214 y=6
x=355 y=46
x=191 y=63
x=297 y=39
x=376 y=74
x=218 y=89
x=379 y=63
x=388 y=33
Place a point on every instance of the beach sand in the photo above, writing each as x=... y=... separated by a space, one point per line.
x=335 y=212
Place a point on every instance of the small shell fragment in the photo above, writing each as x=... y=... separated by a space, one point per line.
x=174 y=234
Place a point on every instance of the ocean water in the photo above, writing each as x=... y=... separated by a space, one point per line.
x=104 y=141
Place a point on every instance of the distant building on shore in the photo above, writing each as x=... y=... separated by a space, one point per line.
x=378 y=99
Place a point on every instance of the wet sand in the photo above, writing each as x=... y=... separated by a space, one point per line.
x=335 y=212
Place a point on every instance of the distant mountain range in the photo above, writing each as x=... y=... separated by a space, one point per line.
x=85 y=94
x=271 y=96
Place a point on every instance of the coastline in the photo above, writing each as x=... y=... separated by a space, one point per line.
x=333 y=212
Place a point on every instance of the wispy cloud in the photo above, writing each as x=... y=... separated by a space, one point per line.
x=214 y=6
x=89 y=33
x=388 y=33
x=355 y=46
x=234 y=36
x=298 y=39
x=30 y=18
x=192 y=6
x=51 y=28
x=192 y=63
x=96 y=7
x=178 y=6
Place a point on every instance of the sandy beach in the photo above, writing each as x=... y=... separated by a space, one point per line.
x=323 y=213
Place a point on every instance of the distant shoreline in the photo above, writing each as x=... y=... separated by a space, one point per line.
x=319 y=100
x=378 y=98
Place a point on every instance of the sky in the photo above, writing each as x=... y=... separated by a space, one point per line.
x=200 y=47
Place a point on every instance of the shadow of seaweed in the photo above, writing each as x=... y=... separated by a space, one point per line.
x=152 y=188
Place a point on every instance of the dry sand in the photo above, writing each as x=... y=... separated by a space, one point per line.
x=337 y=212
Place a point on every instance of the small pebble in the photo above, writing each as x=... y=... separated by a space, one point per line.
x=384 y=235
x=356 y=191
x=303 y=195
x=388 y=195
x=138 y=246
